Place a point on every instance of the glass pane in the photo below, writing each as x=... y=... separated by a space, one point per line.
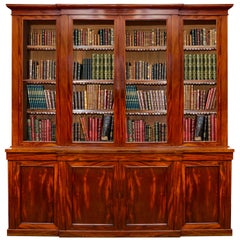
x=93 y=81
x=200 y=80
x=39 y=81
x=146 y=81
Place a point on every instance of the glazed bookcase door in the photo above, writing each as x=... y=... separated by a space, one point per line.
x=146 y=81
x=200 y=80
x=39 y=80
x=93 y=81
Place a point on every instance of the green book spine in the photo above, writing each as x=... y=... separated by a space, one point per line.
x=190 y=67
x=94 y=58
x=198 y=69
x=194 y=67
x=186 y=65
x=101 y=66
x=205 y=66
x=97 y=66
x=105 y=67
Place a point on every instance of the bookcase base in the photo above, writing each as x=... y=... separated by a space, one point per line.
x=184 y=187
x=70 y=233
x=207 y=232
x=32 y=232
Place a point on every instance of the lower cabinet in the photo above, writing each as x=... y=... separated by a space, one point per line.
x=150 y=196
x=33 y=197
x=207 y=201
x=89 y=197
x=149 y=200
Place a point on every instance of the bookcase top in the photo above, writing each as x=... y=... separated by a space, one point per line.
x=120 y=6
x=119 y=9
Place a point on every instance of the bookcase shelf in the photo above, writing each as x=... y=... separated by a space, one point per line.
x=199 y=48
x=93 y=81
x=145 y=48
x=146 y=112
x=119 y=121
x=41 y=48
x=145 y=82
x=41 y=112
x=39 y=81
x=94 y=47
x=193 y=112
x=92 y=111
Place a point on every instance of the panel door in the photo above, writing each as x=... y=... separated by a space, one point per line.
x=149 y=195
x=146 y=80
x=207 y=201
x=90 y=196
x=33 y=197
x=92 y=80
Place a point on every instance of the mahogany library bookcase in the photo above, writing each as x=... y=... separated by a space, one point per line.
x=119 y=121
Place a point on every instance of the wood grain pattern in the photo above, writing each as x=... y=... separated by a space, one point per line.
x=90 y=195
x=37 y=188
x=202 y=194
x=33 y=197
x=206 y=184
x=146 y=195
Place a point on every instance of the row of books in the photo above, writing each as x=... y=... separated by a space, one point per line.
x=142 y=70
x=139 y=130
x=42 y=37
x=89 y=36
x=90 y=128
x=42 y=69
x=40 y=98
x=200 y=66
x=99 y=66
x=199 y=99
x=200 y=128
x=152 y=37
x=152 y=99
x=41 y=130
x=200 y=37
x=145 y=99
x=93 y=97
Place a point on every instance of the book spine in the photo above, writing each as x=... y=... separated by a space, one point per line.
x=40 y=130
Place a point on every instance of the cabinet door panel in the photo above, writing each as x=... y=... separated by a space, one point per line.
x=32 y=197
x=90 y=195
x=36 y=194
x=148 y=195
x=202 y=194
x=206 y=193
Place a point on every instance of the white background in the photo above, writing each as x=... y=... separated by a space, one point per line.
x=233 y=104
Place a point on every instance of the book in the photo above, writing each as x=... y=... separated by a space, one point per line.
x=44 y=69
x=200 y=37
x=146 y=37
x=132 y=101
x=199 y=128
x=91 y=36
x=138 y=130
x=40 y=130
x=42 y=37
x=106 y=127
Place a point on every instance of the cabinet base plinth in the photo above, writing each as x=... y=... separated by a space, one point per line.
x=207 y=232
x=82 y=233
x=32 y=232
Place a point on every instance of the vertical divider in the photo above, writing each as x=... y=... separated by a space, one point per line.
x=175 y=81
x=119 y=81
x=17 y=85
x=64 y=86
x=222 y=81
